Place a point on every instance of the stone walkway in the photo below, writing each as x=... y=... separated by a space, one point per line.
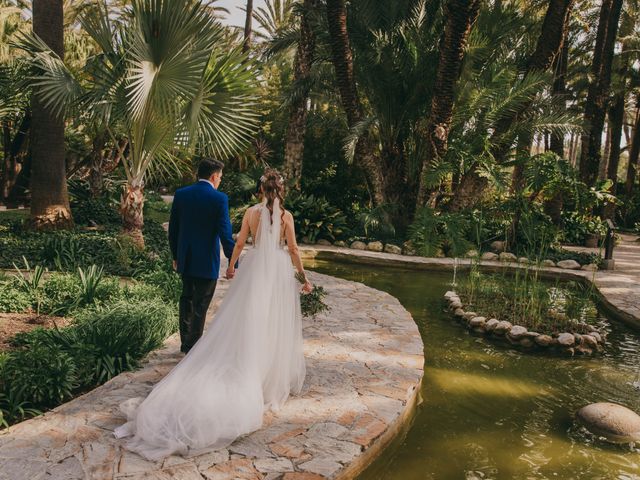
x=618 y=290
x=364 y=363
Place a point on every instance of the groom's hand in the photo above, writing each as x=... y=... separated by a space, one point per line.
x=175 y=265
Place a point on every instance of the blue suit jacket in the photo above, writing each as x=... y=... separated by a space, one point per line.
x=199 y=223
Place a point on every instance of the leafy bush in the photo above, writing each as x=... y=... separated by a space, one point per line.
x=61 y=292
x=316 y=218
x=101 y=211
x=577 y=227
x=13 y=299
x=166 y=280
x=434 y=233
x=119 y=335
x=40 y=375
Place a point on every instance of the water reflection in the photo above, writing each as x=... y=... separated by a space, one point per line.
x=490 y=412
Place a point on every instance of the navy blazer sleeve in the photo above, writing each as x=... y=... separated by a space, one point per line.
x=174 y=222
x=224 y=228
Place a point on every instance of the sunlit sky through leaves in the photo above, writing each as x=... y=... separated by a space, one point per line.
x=236 y=10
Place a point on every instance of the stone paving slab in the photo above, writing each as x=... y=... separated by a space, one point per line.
x=618 y=290
x=364 y=368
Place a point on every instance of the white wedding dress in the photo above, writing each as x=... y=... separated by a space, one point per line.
x=249 y=360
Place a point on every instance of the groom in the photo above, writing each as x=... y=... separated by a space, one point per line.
x=199 y=222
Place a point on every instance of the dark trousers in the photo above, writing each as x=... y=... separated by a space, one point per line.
x=194 y=303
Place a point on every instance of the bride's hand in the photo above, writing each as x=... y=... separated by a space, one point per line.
x=231 y=271
x=307 y=287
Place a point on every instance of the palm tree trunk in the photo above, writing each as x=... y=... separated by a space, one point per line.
x=342 y=57
x=460 y=16
x=634 y=155
x=297 y=127
x=49 y=197
x=132 y=211
x=596 y=104
x=550 y=41
x=248 y=22
x=96 y=165
x=553 y=207
x=616 y=120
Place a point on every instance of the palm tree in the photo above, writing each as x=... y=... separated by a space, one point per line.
x=296 y=128
x=165 y=77
x=460 y=15
x=548 y=46
x=274 y=17
x=248 y=26
x=342 y=57
x=634 y=153
x=49 y=197
x=596 y=104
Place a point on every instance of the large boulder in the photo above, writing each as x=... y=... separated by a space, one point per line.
x=569 y=264
x=389 y=248
x=357 y=245
x=375 y=246
x=592 y=267
x=489 y=256
x=614 y=422
x=548 y=263
x=523 y=260
x=469 y=315
x=471 y=254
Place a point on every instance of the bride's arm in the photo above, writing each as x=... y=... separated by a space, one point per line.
x=241 y=240
x=294 y=251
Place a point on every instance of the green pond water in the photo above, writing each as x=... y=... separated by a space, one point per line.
x=491 y=412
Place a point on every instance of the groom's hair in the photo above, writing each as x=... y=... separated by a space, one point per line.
x=209 y=166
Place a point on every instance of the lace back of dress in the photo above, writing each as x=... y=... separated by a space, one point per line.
x=268 y=237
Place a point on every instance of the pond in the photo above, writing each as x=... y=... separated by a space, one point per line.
x=490 y=412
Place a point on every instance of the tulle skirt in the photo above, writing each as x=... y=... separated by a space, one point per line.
x=249 y=360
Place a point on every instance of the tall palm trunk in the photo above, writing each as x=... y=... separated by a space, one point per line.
x=248 y=26
x=15 y=150
x=553 y=206
x=460 y=16
x=342 y=57
x=297 y=127
x=550 y=41
x=596 y=104
x=132 y=211
x=634 y=155
x=49 y=197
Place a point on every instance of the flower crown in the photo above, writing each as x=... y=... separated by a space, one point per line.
x=280 y=179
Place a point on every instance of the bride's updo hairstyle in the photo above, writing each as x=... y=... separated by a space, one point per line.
x=272 y=187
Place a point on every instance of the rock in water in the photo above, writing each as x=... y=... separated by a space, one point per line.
x=614 y=422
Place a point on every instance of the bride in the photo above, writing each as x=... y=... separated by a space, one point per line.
x=249 y=360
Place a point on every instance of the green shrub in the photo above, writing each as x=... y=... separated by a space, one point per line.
x=61 y=292
x=96 y=211
x=122 y=333
x=316 y=218
x=166 y=280
x=13 y=299
x=434 y=232
x=40 y=375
